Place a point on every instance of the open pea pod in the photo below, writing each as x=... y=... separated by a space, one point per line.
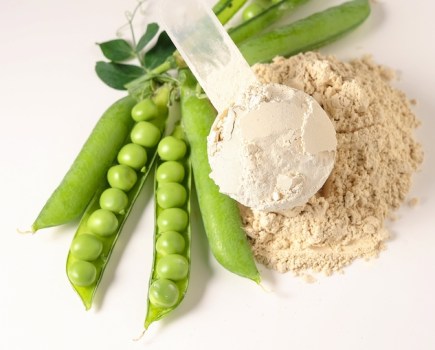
x=169 y=278
x=87 y=293
x=106 y=214
x=220 y=213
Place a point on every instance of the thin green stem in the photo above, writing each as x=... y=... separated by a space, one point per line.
x=264 y=20
x=226 y=9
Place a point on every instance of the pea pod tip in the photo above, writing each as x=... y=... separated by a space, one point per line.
x=27 y=231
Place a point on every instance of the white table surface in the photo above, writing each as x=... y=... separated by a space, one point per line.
x=50 y=100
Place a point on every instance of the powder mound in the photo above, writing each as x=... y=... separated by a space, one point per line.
x=376 y=158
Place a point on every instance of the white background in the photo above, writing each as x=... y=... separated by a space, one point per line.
x=50 y=98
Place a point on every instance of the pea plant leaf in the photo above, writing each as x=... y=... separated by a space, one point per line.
x=150 y=33
x=117 y=75
x=117 y=50
x=160 y=52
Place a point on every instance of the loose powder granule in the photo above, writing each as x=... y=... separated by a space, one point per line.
x=376 y=158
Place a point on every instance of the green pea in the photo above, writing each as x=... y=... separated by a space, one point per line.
x=170 y=171
x=82 y=273
x=86 y=247
x=133 y=155
x=171 y=148
x=102 y=222
x=145 y=110
x=172 y=219
x=171 y=195
x=122 y=177
x=174 y=267
x=145 y=134
x=163 y=293
x=161 y=99
x=170 y=242
x=114 y=199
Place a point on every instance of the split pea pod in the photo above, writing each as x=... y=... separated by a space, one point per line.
x=220 y=213
x=70 y=198
x=172 y=237
x=106 y=214
x=306 y=34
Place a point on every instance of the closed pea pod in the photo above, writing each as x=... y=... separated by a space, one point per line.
x=309 y=33
x=104 y=219
x=171 y=265
x=84 y=177
x=220 y=214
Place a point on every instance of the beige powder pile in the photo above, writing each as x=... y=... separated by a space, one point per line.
x=376 y=157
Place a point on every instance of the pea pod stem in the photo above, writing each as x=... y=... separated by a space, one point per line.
x=70 y=198
x=220 y=214
x=257 y=24
x=306 y=34
x=226 y=9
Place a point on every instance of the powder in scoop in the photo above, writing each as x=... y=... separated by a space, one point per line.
x=273 y=148
x=376 y=157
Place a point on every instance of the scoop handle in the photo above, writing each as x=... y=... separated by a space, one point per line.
x=207 y=49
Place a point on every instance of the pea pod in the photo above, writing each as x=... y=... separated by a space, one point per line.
x=306 y=34
x=78 y=186
x=106 y=214
x=220 y=213
x=260 y=22
x=172 y=237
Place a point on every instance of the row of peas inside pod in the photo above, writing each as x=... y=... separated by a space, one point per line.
x=171 y=266
x=105 y=216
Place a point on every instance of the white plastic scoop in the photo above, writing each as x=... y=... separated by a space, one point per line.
x=271 y=147
x=207 y=49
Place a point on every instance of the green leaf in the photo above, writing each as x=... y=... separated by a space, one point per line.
x=117 y=50
x=117 y=75
x=150 y=33
x=160 y=52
